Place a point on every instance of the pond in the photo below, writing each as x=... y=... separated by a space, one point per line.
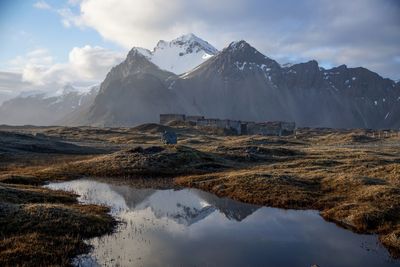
x=190 y=227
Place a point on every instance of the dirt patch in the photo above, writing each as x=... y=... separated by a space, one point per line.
x=20 y=179
x=256 y=153
x=363 y=139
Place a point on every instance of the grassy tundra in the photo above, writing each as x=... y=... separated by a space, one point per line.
x=351 y=176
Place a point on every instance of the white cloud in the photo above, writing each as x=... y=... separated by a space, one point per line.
x=86 y=65
x=39 y=57
x=42 y=5
x=69 y=18
x=11 y=84
x=129 y=23
x=93 y=62
x=288 y=29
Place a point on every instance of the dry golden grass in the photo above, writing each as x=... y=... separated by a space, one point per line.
x=353 y=184
x=48 y=234
x=351 y=176
x=153 y=161
x=42 y=227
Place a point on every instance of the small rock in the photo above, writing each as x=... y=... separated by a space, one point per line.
x=169 y=138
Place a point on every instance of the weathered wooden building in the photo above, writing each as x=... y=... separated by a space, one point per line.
x=166 y=118
x=223 y=124
x=194 y=118
x=288 y=128
x=274 y=128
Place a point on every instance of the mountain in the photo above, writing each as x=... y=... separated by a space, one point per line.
x=237 y=83
x=181 y=206
x=181 y=54
x=241 y=83
x=39 y=108
x=188 y=75
x=152 y=68
x=129 y=92
x=185 y=207
x=232 y=209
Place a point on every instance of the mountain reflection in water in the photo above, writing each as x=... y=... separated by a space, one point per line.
x=190 y=227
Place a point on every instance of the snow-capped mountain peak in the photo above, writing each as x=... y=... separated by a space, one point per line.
x=181 y=54
x=192 y=43
x=142 y=51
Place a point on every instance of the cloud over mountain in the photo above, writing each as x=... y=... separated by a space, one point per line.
x=296 y=31
x=85 y=64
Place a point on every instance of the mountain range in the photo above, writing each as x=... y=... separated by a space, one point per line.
x=39 y=108
x=188 y=75
x=185 y=207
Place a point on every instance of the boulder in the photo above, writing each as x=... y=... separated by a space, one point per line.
x=169 y=138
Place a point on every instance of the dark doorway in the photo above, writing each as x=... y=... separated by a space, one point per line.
x=243 y=128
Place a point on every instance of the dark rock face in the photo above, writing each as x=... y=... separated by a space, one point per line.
x=241 y=83
x=303 y=75
x=133 y=92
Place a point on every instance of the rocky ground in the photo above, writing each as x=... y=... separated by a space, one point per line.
x=351 y=176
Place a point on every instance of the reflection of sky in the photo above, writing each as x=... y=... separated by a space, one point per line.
x=151 y=234
x=93 y=192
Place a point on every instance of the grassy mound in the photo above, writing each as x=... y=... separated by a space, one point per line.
x=155 y=161
x=152 y=128
x=358 y=189
x=41 y=227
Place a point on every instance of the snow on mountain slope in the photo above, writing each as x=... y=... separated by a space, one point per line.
x=181 y=206
x=181 y=54
x=59 y=93
x=243 y=84
x=45 y=108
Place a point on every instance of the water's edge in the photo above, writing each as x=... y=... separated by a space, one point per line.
x=192 y=227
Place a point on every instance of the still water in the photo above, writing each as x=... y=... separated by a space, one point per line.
x=190 y=227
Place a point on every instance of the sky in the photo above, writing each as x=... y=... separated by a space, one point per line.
x=45 y=44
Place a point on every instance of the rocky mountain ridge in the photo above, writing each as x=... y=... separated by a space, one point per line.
x=238 y=83
x=241 y=83
x=39 y=108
